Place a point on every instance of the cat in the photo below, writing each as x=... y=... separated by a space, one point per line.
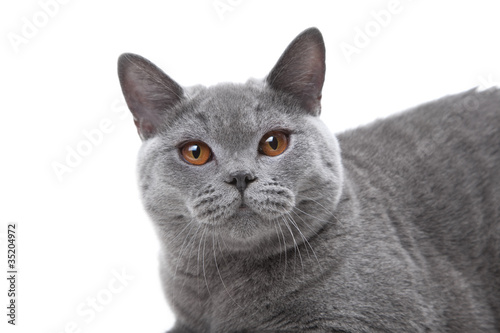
x=269 y=223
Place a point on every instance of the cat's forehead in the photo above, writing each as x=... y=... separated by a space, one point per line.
x=241 y=110
x=229 y=104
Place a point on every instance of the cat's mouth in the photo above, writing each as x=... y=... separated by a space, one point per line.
x=243 y=206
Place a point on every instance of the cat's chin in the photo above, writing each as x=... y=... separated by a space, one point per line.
x=242 y=231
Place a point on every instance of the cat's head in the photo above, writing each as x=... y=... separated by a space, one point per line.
x=247 y=162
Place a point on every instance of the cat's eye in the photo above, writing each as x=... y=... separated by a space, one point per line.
x=273 y=143
x=197 y=152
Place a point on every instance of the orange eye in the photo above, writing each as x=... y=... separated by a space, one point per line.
x=273 y=143
x=197 y=152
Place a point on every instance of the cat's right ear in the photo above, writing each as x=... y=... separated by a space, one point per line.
x=148 y=91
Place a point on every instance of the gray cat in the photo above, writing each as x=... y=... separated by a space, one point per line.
x=268 y=223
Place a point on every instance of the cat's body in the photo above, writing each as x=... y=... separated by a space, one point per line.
x=393 y=227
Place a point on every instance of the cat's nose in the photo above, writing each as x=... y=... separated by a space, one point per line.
x=240 y=179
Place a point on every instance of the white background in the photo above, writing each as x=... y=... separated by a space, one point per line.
x=78 y=230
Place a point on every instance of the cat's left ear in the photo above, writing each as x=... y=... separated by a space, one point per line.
x=300 y=72
x=148 y=91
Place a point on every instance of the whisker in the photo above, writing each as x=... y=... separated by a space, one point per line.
x=183 y=246
x=279 y=238
x=305 y=239
x=297 y=250
x=192 y=245
x=315 y=201
x=227 y=247
x=199 y=250
x=286 y=250
x=218 y=271
x=203 y=260
x=319 y=204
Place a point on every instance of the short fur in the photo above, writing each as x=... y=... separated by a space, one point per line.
x=392 y=227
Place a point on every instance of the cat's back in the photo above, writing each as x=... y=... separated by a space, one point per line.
x=434 y=172
x=458 y=125
x=435 y=156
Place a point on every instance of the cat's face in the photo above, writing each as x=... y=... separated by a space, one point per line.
x=248 y=162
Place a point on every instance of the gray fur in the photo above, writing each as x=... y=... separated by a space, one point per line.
x=392 y=227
